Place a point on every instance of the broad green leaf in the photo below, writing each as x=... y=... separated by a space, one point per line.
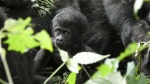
x=20 y=42
x=146 y=0
x=137 y=80
x=103 y=71
x=98 y=81
x=134 y=79
x=113 y=64
x=131 y=48
x=2 y=35
x=142 y=79
x=19 y=35
x=71 y=78
x=13 y=25
x=114 y=78
x=88 y=57
x=44 y=40
x=130 y=68
x=110 y=66
x=72 y=65
x=64 y=55
x=79 y=67
x=28 y=31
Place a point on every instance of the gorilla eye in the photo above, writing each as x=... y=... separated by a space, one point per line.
x=66 y=33
x=57 y=32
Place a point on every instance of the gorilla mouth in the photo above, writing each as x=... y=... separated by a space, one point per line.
x=62 y=46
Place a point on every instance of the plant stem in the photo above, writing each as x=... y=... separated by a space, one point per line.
x=7 y=70
x=3 y=58
x=86 y=71
x=54 y=72
x=3 y=82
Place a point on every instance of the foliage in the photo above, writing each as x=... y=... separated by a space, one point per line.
x=21 y=38
x=44 y=6
x=108 y=73
x=18 y=34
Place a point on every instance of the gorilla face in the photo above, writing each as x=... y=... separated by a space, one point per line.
x=68 y=26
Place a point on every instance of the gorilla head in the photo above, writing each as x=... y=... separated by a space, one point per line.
x=68 y=26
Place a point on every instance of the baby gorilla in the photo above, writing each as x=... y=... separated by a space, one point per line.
x=68 y=27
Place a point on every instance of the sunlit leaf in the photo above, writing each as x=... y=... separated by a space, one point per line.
x=19 y=35
x=146 y=0
x=13 y=25
x=98 y=81
x=2 y=35
x=130 y=68
x=20 y=42
x=110 y=66
x=64 y=55
x=44 y=40
x=71 y=78
x=88 y=57
x=113 y=63
x=114 y=78
x=131 y=48
x=103 y=71
x=133 y=78
x=72 y=65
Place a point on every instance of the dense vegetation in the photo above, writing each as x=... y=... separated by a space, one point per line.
x=107 y=73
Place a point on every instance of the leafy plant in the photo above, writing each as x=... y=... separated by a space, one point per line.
x=73 y=63
x=44 y=6
x=107 y=73
x=21 y=38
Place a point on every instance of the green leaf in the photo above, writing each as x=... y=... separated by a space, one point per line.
x=130 y=68
x=64 y=55
x=114 y=78
x=20 y=42
x=44 y=40
x=98 y=81
x=110 y=66
x=13 y=25
x=71 y=78
x=19 y=37
x=113 y=63
x=2 y=35
x=103 y=71
x=28 y=31
x=134 y=79
x=88 y=57
x=72 y=65
x=146 y=0
x=131 y=48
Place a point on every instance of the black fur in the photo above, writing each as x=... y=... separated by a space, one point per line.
x=120 y=14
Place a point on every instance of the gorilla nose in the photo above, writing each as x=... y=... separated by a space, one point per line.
x=59 y=40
